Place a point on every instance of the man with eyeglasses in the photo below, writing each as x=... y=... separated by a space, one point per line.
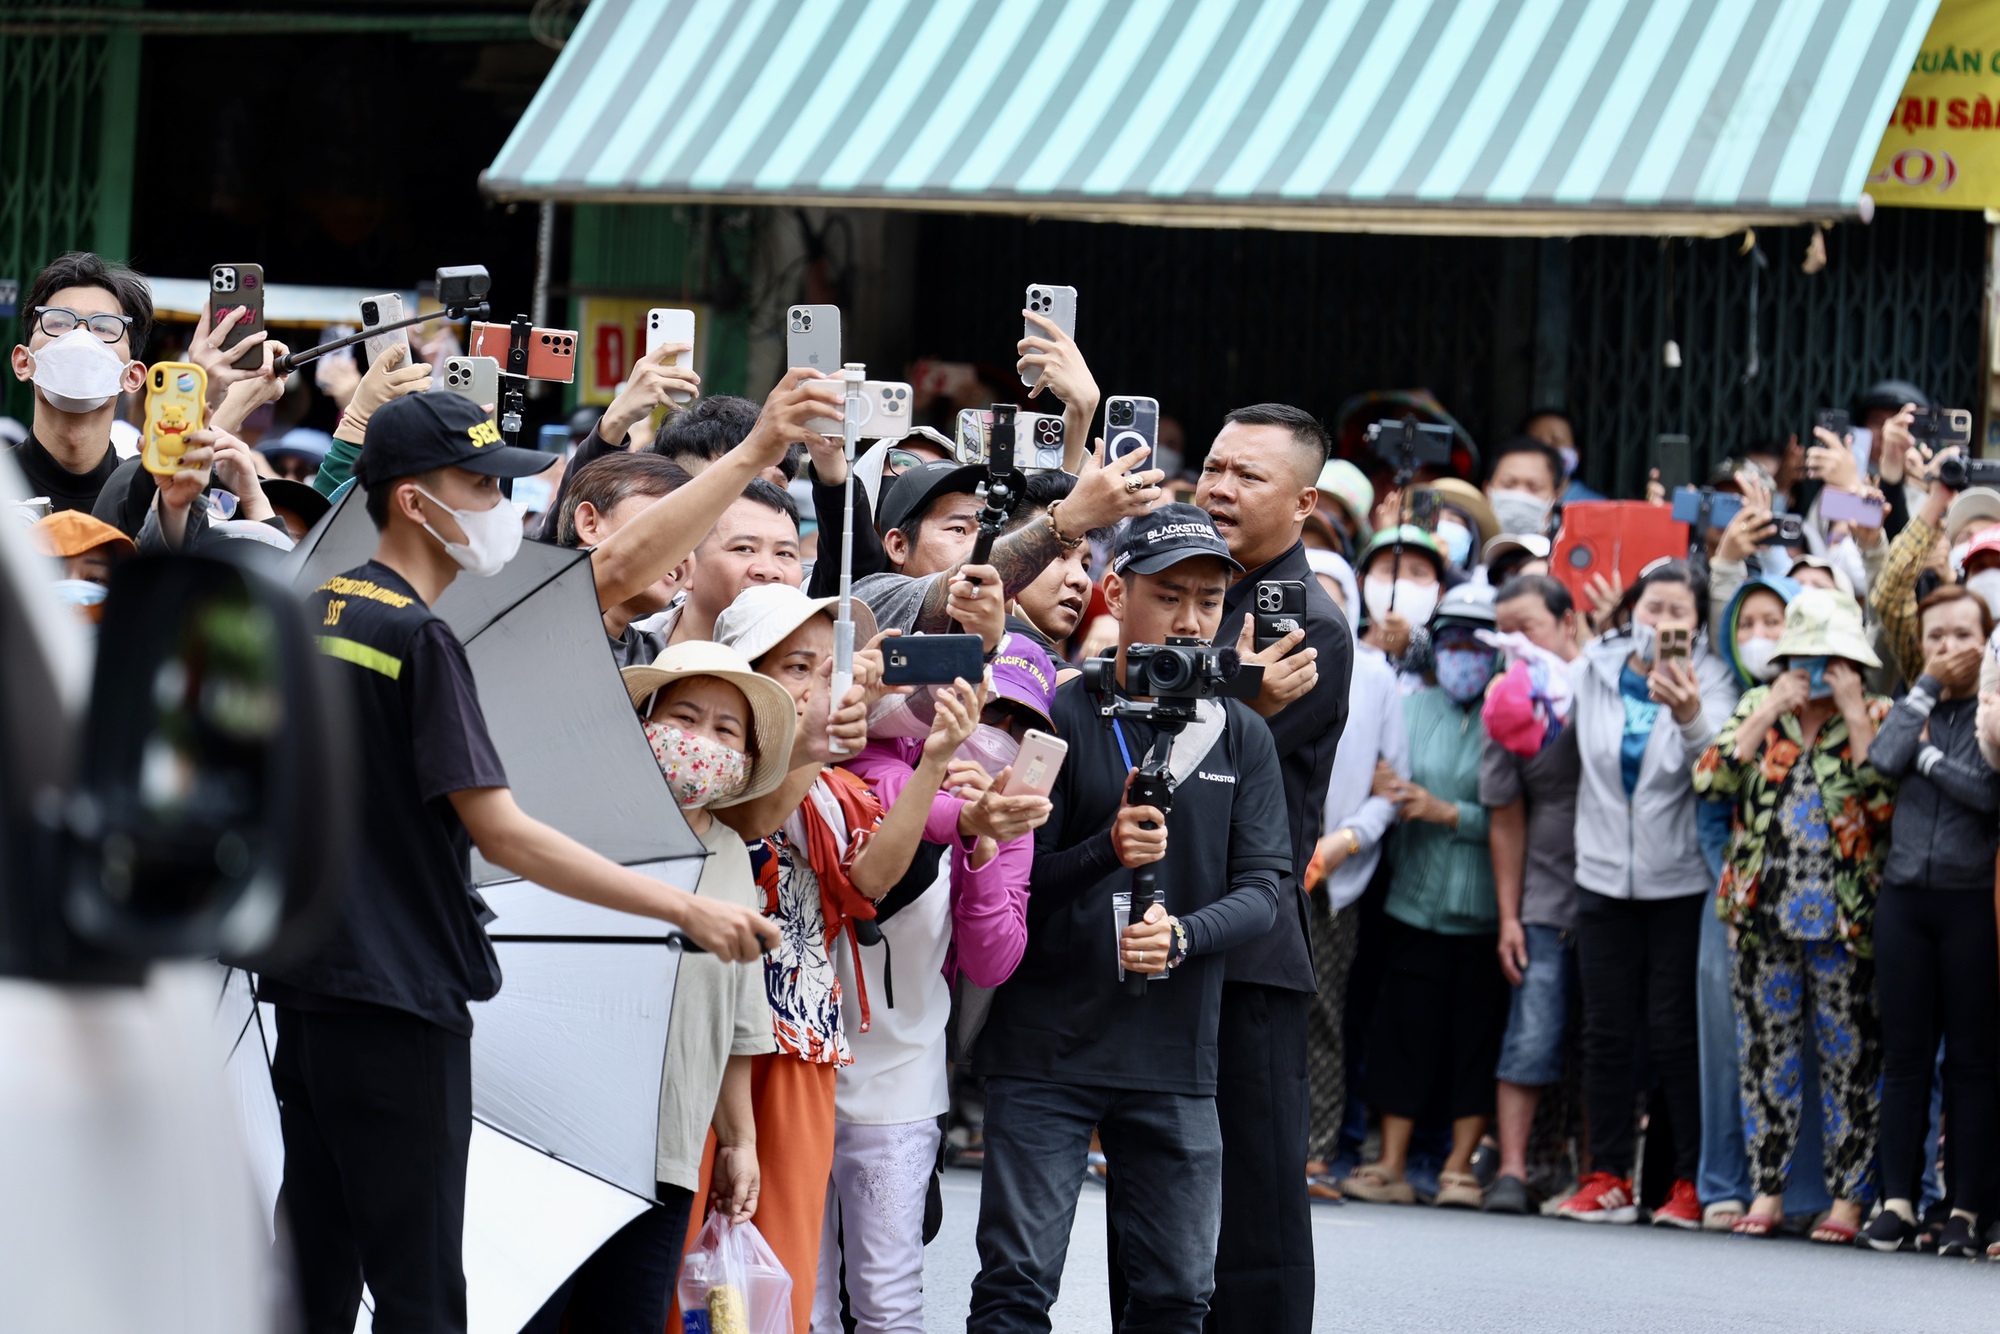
x=84 y=323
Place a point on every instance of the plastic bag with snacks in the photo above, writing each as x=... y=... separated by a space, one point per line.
x=732 y=1283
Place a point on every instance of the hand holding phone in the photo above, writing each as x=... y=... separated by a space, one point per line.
x=1054 y=304
x=665 y=325
x=1036 y=767
x=1131 y=422
x=176 y=397
x=376 y=311
x=238 y=287
x=927 y=660
x=1279 y=609
x=812 y=338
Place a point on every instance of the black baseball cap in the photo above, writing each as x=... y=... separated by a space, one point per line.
x=912 y=491
x=419 y=432
x=1170 y=534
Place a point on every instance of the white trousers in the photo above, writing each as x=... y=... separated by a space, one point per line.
x=872 y=1246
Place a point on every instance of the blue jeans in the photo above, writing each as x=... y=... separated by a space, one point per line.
x=1725 y=1163
x=1165 y=1153
x=1531 y=1054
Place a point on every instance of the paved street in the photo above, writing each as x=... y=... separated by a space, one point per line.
x=1411 y=1269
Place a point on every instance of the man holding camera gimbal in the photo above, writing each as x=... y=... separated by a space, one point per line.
x=1068 y=1045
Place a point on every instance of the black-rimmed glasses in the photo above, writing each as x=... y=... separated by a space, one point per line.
x=59 y=320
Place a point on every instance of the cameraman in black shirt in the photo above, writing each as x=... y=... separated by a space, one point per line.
x=1067 y=1048
x=373 y=1069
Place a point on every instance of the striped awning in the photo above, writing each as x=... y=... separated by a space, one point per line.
x=1542 y=116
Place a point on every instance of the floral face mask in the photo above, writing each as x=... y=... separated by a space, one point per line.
x=699 y=771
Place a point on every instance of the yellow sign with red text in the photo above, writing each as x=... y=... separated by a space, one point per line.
x=1942 y=145
x=611 y=333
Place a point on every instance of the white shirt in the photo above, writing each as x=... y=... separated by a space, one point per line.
x=1374 y=731
x=898 y=1074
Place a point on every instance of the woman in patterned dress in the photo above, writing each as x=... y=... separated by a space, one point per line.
x=1798 y=891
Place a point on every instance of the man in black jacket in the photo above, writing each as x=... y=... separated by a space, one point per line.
x=1258 y=484
x=1067 y=1047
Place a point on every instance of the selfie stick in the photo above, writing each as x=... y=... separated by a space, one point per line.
x=997 y=491
x=291 y=361
x=855 y=374
x=513 y=399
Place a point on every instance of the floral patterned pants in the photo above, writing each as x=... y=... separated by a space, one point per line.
x=1784 y=989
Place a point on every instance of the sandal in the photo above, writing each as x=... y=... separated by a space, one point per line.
x=1829 y=1233
x=1755 y=1225
x=1722 y=1216
x=1372 y=1184
x=1458 y=1190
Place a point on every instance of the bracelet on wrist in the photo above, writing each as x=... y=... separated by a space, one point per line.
x=1180 y=948
x=1055 y=529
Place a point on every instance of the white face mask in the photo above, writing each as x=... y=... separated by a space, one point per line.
x=77 y=372
x=1414 y=601
x=1757 y=658
x=989 y=747
x=491 y=536
x=1645 y=641
x=1958 y=555
x=1519 y=511
x=1987 y=584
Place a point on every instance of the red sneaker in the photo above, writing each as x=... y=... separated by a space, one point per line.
x=1682 y=1207
x=1601 y=1198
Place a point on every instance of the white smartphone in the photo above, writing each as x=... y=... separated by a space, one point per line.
x=476 y=379
x=1036 y=767
x=377 y=311
x=812 y=338
x=664 y=325
x=885 y=412
x=1051 y=303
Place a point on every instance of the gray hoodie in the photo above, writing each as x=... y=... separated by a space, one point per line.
x=1643 y=848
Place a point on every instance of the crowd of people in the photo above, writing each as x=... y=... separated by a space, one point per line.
x=1671 y=900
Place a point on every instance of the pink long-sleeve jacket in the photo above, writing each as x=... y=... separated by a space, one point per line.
x=989 y=904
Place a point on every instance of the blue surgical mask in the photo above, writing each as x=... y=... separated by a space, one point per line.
x=1815 y=670
x=1457 y=539
x=1570 y=462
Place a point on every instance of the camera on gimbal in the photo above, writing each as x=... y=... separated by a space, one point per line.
x=1174 y=675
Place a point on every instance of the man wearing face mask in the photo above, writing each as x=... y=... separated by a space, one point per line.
x=1522 y=484
x=373 y=1066
x=1552 y=427
x=84 y=323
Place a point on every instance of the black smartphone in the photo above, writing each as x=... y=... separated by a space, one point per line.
x=932 y=660
x=1941 y=428
x=1424 y=506
x=1834 y=421
x=1278 y=609
x=1673 y=455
